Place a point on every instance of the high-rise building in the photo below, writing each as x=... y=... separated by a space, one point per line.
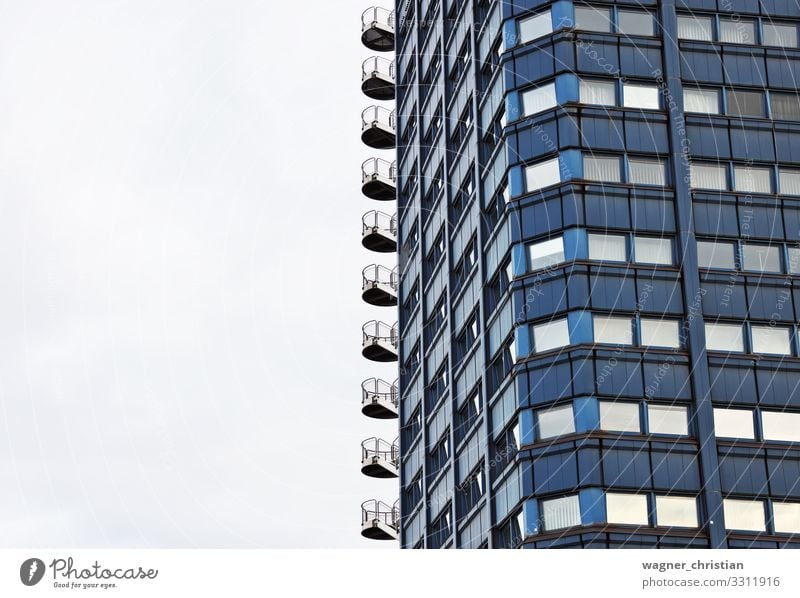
x=598 y=227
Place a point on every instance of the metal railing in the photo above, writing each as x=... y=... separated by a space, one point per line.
x=375 y=331
x=377 y=274
x=378 y=447
x=375 y=220
x=377 y=510
x=374 y=168
x=376 y=387
x=377 y=66
x=378 y=115
x=377 y=16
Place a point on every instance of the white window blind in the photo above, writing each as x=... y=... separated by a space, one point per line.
x=697 y=28
x=789 y=182
x=635 y=22
x=535 y=27
x=771 y=340
x=546 y=253
x=559 y=513
x=705 y=101
x=539 y=99
x=607 y=247
x=601 y=168
x=744 y=514
x=712 y=254
x=752 y=180
x=551 y=335
x=761 y=258
x=651 y=250
x=659 y=333
x=724 y=337
x=779 y=425
x=782 y=35
x=646 y=172
x=733 y=423
x=619 y=417
x=667 y=419
x=708 y=176
x=591 y=18
x=739 y=31
x=599 y=93
x=635 y=95
x=617 y=331
x=786 y=517
x=785 y=106
x=544 y=174
x=556 y=421
x=676 y=511
x=626 y=509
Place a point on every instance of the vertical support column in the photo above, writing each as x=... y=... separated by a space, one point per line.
x=692 y=295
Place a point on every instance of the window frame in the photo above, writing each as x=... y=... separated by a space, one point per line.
x=606 y=407
x=549 y=264
x=531 y=17
x=684 y=409
x=541 y=87
x=720 y=412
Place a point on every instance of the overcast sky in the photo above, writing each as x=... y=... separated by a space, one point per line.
x=180 y=257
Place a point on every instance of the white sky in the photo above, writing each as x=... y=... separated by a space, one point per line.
x=181 y=265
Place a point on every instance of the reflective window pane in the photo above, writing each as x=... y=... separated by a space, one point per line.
x=747 y=515
x=602 y=168
x=619 y=417
x=659 y=333
x=752 y=180
x=626 y=509
x=559 y=513
x=651 y=250
x=544 y=174
x=551 y=335
x=607 y=247
x=708 y=176
x=771 y=340
x=635 y=22
x=640 y=96
x=745 y=103
x=711 y=254
x=724 y=337
x=556 y=421
x=785 y=106
x=598 y=93
x=778 y=425
x=789 y=182
x=779 y=34
x=546 y=253
x=761 y=258
x=667 y=419
x=738 y=31
x=705 y=101
x=535 y=27
x=786 y=517
x=538 y=99
x=617 y=331
x=697 y=28
x=733 y=423
x=676 y=511
x=590 y=18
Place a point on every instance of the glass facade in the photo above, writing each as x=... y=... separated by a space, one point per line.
x=599 y=238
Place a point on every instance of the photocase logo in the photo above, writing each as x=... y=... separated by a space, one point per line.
x=31 y=572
